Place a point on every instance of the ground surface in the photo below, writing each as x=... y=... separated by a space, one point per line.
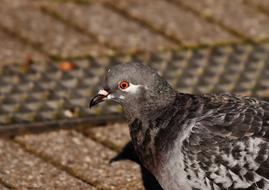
x=205 y=45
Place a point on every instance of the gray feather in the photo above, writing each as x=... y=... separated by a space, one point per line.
x=208 y=142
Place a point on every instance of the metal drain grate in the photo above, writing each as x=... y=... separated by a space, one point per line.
x=42 y=94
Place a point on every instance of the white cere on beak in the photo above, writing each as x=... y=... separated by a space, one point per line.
x=133 y=88
x=103 y=92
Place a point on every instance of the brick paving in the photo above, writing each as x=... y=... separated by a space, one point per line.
x=260 y=4
x=14 y=51
x=24 y=171
x=101 y=31
x=173 y=19
x=47 y=33
x=3 y=187
x=104 y=23
x=248 y=21
x=115 y=136
x=85 y=158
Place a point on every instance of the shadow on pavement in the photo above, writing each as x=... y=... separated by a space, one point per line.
x=128 y=153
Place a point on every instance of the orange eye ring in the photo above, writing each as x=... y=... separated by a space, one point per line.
x=123 y=84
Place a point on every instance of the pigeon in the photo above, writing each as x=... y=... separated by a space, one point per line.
x=187 y=141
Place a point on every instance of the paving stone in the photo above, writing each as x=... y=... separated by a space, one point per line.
x=53 y=36
x=13 y=51
x=86 y=158
x=175 y=21
x=117 y=137
x=111 y=27
x=261 y=3
x=234 y=14
x=2 y=187
x=25 y=171
x=114 y=135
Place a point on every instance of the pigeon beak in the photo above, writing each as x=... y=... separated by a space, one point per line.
x=100 y=97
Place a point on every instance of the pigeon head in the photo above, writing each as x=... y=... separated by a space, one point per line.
x=137 y=87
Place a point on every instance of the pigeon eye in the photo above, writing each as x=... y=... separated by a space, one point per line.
x=123 y=85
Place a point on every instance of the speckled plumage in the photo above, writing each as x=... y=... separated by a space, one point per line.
x=206 y=142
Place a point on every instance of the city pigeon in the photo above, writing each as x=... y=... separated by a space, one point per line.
x=191 y=142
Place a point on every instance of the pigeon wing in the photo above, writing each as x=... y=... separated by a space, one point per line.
x=235 y=132
x=235 y=117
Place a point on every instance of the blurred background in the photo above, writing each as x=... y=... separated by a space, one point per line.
x=54 y=54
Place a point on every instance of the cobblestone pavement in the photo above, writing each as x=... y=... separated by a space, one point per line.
x=199 y=46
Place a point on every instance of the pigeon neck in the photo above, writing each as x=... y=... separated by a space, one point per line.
x=149 y=133
x=144 y=109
